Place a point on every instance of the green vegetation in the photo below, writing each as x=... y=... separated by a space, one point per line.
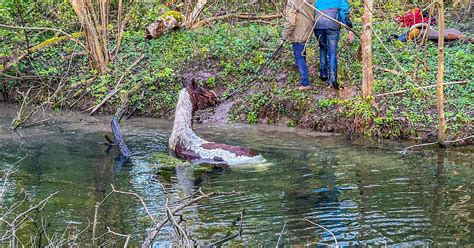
x=225 y=55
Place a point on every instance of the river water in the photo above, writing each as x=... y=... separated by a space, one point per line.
x=362 y=195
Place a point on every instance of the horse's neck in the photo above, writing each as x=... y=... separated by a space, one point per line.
x=183 y=134
x=184 y=112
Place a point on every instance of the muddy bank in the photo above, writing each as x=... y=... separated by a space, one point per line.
x=53 y=122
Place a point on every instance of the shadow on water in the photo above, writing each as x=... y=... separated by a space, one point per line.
x=363 y=196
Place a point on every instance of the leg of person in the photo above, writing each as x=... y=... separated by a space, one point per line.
x=332 y=40
x=403 y=37
x=323 y=53
x=300 y=59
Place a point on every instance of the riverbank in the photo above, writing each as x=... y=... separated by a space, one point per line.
x=224 y=58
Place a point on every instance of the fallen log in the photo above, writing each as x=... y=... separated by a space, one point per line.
x=173 y=19
x=163 y=24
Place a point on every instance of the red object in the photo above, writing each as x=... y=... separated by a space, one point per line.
x=412 y=17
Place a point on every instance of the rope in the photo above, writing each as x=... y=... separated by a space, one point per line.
x=256 y=74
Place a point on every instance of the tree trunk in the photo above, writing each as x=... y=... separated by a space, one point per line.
x=192 y=17
x=366 y=42
x=441 y=117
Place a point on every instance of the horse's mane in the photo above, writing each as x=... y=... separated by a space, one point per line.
x=183 y=136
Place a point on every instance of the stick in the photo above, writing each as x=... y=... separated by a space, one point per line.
x=8 y=172
x=388 y=70
x=98 y=204
x=118 y=86
x=424 y=87
x=151 y=236
x=241 y=222
x=256 y=73
x=335 y=240
x=44 y=28
x=126 y=236
x=135 y=107
x=38 y=206
x=237 y=16
x=179 y=230
x=434 y=143
x=238 y=234
x=21 y=77
x=139 y=198
x=281 y=234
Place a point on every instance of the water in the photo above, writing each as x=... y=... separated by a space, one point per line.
x=364 y=196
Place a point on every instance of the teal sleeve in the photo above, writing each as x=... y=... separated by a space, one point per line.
x=344 y=6
x=344 y=9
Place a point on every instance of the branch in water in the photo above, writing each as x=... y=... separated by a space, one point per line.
x=152 y=235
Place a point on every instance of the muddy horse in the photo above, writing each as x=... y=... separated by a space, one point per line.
x=184 y=143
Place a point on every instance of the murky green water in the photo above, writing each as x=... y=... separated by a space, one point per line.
x=364 y=196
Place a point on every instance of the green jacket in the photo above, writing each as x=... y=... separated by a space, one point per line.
x=299 y=21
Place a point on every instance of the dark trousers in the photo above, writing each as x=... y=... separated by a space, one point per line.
x=300 y=59
x=328 y=39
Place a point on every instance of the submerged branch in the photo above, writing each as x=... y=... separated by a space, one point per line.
x=152 y=235
x=281 y=234
x=327 y=230
x=238 y=234
x=404 y=151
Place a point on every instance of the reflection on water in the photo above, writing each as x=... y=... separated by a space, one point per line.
x=364 y=196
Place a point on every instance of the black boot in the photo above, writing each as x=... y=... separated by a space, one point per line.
x=333 y=81
x=323 y=75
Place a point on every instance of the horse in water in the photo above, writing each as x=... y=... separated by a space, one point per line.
x=184 y=143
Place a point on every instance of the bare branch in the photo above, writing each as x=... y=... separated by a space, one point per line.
x=152 y=235
x=404 y=151
x=327 y=230
x=45 y=28
x=281 y=234
x=118 y=86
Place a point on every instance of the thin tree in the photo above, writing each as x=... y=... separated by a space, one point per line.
x=366 y=42
x=440 y=93
x=94 y=18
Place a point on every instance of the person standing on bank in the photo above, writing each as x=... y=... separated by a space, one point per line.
x=297 y=28
x=327 y=33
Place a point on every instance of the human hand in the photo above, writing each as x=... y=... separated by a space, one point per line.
x=350 y=37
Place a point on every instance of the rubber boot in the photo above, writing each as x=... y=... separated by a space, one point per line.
x=333 y=81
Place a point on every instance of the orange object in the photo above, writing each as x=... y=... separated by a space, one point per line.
x=413 y=34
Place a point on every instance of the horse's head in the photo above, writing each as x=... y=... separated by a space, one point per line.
x=201 y=97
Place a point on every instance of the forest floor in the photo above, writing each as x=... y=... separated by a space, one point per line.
x=225 y=56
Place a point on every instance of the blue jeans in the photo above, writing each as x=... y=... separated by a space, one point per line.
x=328 y=39
x=300 y=59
